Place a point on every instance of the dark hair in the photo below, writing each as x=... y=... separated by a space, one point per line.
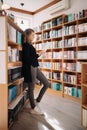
x=27 y=33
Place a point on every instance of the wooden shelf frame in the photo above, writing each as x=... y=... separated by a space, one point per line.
x=4 y=21
x=76 y=47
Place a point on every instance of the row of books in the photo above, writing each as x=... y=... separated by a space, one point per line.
x=71 y=17
x=47 y=74
x=57 y=21
x=56 y=66
x=69 y=78
x=69 y=54
x=13 y=54
x=68 y=30
x=82 y=41
x=70 y=42
x=46 y=65
x=47 y=25
x=82 y=27
x=56 y=33
x=82 y=54
x=72 y=91
x=57 y=44
x=84 y=117
x=57 y=86
x=62 y=66
x=57 y=75
x=14 y=73
x=14 y=36
x=39 y=37
x=69 y=66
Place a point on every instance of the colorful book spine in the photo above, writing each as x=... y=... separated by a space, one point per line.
x=69 y=66
x=79 y=79
x=57 y=86
x=57 y=75
x=82 y=41
x=57 y=44
x=70 y=42
x=71 y=91
x=70 y=78
x=56 y=66
x=82 y=54
x=69 y=54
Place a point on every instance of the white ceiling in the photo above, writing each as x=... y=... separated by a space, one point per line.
x=30 y=5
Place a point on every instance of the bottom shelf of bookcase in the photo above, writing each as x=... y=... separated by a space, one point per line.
x=72 y=98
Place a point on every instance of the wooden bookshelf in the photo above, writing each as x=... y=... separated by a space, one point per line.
x=75 y=47
x=4 y=64
x=84 y=95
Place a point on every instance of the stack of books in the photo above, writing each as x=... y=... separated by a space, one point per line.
x=69 y=54
x=82 y=54
x=69 y=78
x=69 y=66
x=57 y=75
x=57 y=55
x=57 y=86
x=82 y=41
x=70 y=90
x=57 y=44
x=13 y=54
x=68 y=30
x=84 y=117
x=56 y=66
x=70 y=42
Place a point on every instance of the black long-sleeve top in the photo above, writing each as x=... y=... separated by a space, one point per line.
x=29 y=57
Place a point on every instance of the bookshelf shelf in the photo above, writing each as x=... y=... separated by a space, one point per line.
x=70 y=36
x=45 y=40
x=54 y=80
x=68 y=71
x=45 y=69
x=12 y=105
x=16 y=81
x=56 y=70
x=15 y=64
x=70 y=23
x=69 y=83
x=57 y=27
x=82 y=33
x=47 y=30
x=57 y=38
x=39 y=32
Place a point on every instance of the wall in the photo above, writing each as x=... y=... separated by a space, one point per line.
x=21 y=16
x=76 y=6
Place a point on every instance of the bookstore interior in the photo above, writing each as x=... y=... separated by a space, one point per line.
x=60 y=30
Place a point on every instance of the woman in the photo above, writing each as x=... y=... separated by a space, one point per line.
x=31 y=72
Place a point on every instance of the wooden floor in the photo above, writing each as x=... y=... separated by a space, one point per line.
x=60 y=114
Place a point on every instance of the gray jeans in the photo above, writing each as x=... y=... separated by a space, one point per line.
x=37 y=74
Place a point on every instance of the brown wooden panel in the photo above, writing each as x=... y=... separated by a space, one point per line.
x=3 y=107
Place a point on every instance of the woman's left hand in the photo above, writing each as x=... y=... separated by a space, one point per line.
x=41 y=52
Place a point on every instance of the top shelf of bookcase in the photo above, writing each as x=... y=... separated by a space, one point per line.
x=15 y=25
